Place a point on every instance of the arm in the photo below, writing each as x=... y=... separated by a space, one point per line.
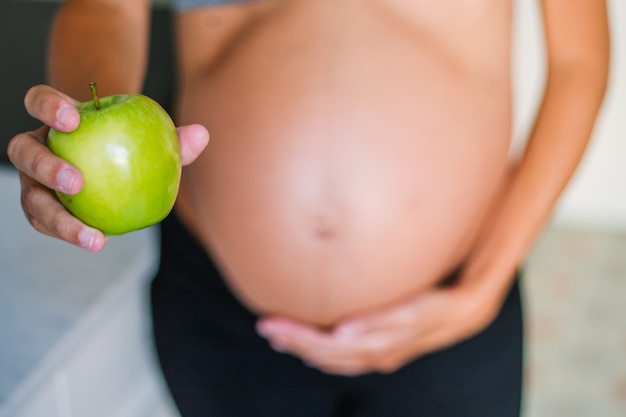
x=577 y=40
x=105 y=41
x=578 y=59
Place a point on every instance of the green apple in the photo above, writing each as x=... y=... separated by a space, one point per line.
x=127 y=149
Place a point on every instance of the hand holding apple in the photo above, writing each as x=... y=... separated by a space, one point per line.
x=127 y=149
x=42 y=173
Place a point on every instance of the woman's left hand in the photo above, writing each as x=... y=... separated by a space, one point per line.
x=386 y=339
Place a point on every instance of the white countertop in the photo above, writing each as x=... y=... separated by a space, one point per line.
x=51 y=293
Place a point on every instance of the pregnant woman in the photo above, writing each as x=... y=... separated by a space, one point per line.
x=347 y=245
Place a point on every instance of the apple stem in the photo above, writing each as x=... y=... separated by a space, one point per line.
x=94 y=93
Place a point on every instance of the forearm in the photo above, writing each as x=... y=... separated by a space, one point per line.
x=101 y=41
x=565 y=121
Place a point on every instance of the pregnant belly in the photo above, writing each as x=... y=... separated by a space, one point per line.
x=321 y=227
x=332 y=189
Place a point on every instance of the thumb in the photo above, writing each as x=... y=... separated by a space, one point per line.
x=193 y=139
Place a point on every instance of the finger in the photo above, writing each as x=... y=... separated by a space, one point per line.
x=309 y=343
x=324 y=350
x=419 y=314
x=431 y=342
x=344 y=354
x=407 y=314
x=288 y=335
x=441 y=326
x=30 y=156
x=384 y=352
x=52 y=107
x=348 y=368
x=46 y=214
x=385 y=340
x=193 y=140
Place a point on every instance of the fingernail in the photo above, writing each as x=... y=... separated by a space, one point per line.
x=64 y=116
x=86 y=238
x=65 y=179
x=262 y=330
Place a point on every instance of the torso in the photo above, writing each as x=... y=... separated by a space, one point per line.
x=355 y=145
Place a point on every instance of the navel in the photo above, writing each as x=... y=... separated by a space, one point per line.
x=325 y=226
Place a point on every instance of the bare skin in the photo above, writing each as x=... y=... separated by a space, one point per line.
x=359 y=153
x=339 y=153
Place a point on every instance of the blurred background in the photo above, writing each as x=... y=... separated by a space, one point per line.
x=71 y=346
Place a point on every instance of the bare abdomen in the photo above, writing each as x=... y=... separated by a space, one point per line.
x=340 y=176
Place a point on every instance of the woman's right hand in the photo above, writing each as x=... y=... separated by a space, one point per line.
x=41 y=172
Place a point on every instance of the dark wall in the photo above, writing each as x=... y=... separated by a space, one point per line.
x=24 y=28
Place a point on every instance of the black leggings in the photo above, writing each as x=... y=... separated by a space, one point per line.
x=217 y=366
